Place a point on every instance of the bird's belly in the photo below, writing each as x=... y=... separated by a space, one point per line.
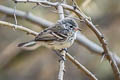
x=60 y=45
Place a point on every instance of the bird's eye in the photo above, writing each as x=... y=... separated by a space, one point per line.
x=71 y=26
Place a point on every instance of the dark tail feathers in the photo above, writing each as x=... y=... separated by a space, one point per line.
x=27 y=44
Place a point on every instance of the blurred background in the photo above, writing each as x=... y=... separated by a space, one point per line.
x=42 y=63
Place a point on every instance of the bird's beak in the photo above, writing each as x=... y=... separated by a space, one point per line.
x=76 y=29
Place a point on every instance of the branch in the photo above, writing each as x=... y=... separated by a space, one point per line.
x=62 y=66
x=26 y=15
x=104 y=45
x=81 y=39
x=81 y=67
x=106 y=52
x=62 y=61
x=53 y=4
x=28 y=31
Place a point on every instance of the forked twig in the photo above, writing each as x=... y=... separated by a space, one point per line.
x=15 y=14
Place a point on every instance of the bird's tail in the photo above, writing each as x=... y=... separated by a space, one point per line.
x=27 y=44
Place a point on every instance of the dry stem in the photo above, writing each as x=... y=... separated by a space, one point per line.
x=104 y=44
x=28 y=31
x=62 y=62
x=81 y=67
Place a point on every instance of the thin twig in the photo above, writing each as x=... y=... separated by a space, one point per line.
x=28 y=16
x=105 y=48
x=81 y=67
x=62 y=66
x=28 y=31
x=15 y=14
x=62 y=61
x=54 y=4
x=39 y=1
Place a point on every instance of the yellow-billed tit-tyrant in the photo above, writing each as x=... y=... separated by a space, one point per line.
x=57 y=37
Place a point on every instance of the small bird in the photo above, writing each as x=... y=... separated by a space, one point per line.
x=57 y=37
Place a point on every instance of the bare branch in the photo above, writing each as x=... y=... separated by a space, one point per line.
x=104 y=45
x=107 y=53
x=15 y=15
x=38 y=1
x=25 y=15
x=62 y=66
x=62 y=62
x=65 y=6
x=28 y=31
x=81 y=67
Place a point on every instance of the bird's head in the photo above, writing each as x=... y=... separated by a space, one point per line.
x=70 y=24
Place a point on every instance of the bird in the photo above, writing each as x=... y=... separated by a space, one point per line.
x=57 y=37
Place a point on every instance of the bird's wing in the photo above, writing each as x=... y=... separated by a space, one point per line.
x=55 y=33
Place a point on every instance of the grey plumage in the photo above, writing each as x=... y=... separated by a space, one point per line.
x=61 y=35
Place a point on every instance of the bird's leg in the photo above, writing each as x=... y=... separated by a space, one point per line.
x=60 y=51
x=65 y=49
x=60 y=55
